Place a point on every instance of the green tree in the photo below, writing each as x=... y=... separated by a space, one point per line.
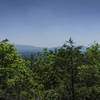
x=14 y=75
x=69 y=57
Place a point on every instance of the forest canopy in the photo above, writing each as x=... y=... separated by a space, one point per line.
x=66 y=73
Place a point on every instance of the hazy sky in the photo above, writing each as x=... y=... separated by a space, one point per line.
x=50 y=22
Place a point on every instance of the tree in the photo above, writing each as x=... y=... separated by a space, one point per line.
x=13 y=73
x=69 y=58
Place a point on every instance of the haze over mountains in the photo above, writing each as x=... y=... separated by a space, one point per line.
x=33 y=49
x=28 y=48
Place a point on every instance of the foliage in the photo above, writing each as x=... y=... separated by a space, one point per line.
x=66 y=73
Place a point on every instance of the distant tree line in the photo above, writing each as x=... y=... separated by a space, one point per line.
x=67 y=73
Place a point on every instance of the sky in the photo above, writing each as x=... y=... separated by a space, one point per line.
x=48 y=23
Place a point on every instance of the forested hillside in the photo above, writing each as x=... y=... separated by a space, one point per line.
x=66 y=73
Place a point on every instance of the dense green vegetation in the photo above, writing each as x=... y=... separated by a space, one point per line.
x=66 y=73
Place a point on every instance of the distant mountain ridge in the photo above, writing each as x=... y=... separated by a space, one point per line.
x=27 y=48
x=34 y=49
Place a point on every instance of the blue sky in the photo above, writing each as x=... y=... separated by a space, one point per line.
x=48 y=23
